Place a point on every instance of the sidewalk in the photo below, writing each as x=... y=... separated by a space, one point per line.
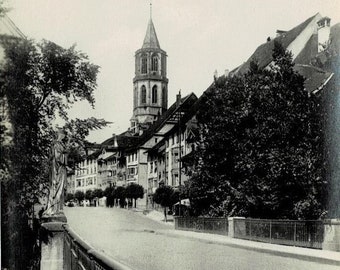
x=314 y=255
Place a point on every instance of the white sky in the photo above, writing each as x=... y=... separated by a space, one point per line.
x=199 y=37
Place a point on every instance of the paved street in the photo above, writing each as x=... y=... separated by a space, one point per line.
x=130 y=238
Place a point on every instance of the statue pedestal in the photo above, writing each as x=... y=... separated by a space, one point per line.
x=52 y=242
x=331 y=235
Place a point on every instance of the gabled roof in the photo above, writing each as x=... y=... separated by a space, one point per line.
x=124 y=140
x=185 y=104
x=151 y=40
x=263 y=54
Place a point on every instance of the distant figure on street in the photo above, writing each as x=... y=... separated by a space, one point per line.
x=57 y=176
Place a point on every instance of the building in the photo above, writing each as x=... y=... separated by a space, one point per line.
x=86 y=173
x=112 y=162
x=150 y=84
x=309 y=42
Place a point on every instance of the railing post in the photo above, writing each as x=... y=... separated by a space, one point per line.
x=294 y=233
x=270 y=231
x=250 y=227
x=52 y=249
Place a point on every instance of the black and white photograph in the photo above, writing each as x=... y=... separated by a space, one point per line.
x=162 y=135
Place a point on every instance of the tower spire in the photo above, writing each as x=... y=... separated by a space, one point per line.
x=150 y=10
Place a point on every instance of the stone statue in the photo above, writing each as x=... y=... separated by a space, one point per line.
x=57 y=176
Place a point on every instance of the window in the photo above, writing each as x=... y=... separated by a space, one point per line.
x=151 y=167
x=154 y=94
x=144 y=65
x=154 y=63
x=143 y=94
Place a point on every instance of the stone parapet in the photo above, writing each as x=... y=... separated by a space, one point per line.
x=52 y=242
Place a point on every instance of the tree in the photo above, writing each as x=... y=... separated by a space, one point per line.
x=38 y=81
x=110 y=194
x=69 y=197
x=120 y=194
x=89 y=195
x=79 y=196
x=134 y=191
x=261 y=146
x=164 y=195
x=97 y=193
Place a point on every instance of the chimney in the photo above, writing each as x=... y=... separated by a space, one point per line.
x=115 y=143
x=280 y=33
x=324 y=29
x=178 y=99
x=215 y=74
x=226 y=73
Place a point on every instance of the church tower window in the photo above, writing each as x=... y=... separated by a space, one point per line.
x=143 y=94
x=154 y=94
x=144 y=65
x=154 y=63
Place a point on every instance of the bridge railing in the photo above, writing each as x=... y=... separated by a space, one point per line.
x=202 y=224
x=81 y=256
x=298 y=233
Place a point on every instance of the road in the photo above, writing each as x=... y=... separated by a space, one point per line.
x=129 y=237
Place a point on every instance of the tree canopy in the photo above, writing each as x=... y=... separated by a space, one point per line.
x=134 y=191
x=38 y=81
x=261 y=146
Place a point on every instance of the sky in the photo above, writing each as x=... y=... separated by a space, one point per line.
x=199 y=37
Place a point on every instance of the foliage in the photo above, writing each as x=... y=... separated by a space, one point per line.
x=260 y=152
x=97 y=193
x=79 y=195
x=120 y=194
x=37 y=82
x=89 y=195
x=134 y=191
x=69 y=197
x=110 y=194
x=166 y=197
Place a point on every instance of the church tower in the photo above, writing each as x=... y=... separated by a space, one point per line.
x=150 y=84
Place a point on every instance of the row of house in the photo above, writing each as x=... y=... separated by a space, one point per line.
x=153 y=151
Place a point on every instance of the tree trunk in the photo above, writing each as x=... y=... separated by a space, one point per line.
x=135 y=202
x=165 y=214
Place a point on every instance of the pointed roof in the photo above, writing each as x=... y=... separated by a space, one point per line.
x=150 y=40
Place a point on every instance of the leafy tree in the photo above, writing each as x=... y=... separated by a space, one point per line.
x=165 y=196
x=69 y=196
x=261 y=146
x=38 y=81
x=89 y=195
x=79 y=195
x=97 y=193
x=110 y=194
x=120 y=194
x=134 y=191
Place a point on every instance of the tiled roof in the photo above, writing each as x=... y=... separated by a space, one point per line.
x=124 y=140
x=314 y=77
x=151 y=40
x=263 y=54
x=186 y=104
